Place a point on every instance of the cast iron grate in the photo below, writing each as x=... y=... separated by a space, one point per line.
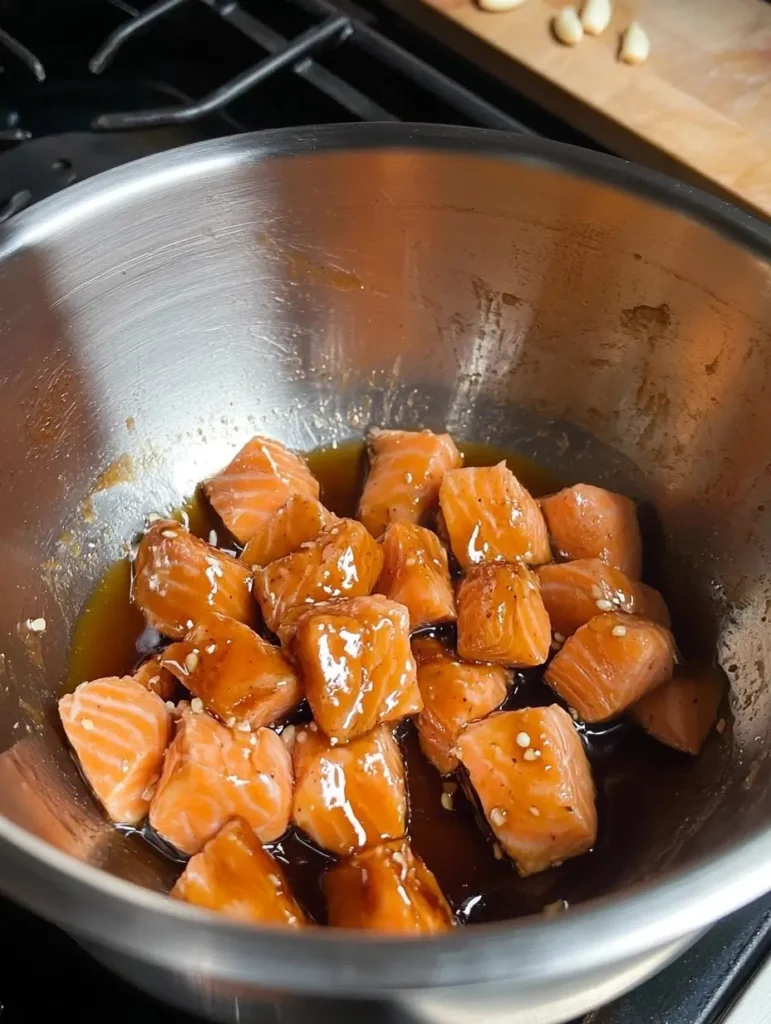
x=21 y=54
x=295 y=62
x=333 y=26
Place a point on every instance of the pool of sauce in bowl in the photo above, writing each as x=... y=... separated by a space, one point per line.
x=633 y=773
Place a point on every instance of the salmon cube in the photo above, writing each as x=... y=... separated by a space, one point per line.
x=650 y=604
x=357 y=665
x=238 y=675
x=682 y=711
x=426 y=648
x=236 y=876
x=534 y=783
x=178 y=579
x=291 y=619
x=259 y=480
x=405 y=470
x=589 y=522
x=300 y=519
x=387 y=889
x=454 y=693
x=415 y=574
x=212 y=774
x=119 y=731
x=610 y=663
x=574 y=592
x=153 y=676
x=490 y=517
x=343 y=561
x=349 y=797
x=501 y=617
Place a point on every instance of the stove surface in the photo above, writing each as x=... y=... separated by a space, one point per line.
x=95 y=83
x=697 y=989
x=91 y=84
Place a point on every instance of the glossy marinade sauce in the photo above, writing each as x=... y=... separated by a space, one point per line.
x=633 y=773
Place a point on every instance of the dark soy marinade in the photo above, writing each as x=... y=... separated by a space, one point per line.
x=633 y=773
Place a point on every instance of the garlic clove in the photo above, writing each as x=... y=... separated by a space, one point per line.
x=499 y=5
x=567 y=26
x=596 y=15
x=635 y=44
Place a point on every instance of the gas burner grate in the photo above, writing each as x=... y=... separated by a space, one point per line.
x=23 y=54
x=333 y=27
x=12 y=132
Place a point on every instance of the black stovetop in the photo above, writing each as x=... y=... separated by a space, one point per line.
x=104 y=65
x=67 y=106
x=44 y=973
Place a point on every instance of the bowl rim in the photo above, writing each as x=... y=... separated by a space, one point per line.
x=609 y=930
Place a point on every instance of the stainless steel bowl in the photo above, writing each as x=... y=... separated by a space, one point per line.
x=306 y=283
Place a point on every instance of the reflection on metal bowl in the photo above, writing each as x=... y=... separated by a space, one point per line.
x=306 y=283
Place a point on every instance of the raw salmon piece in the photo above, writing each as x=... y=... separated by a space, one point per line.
x=454 y=693
x=651 y=605
x=236 y=876
x=301 y=518
x=153 y=676
x=426 y=648
x=352 y=796
x=238 y=675
x=405 y=470
x=490 y=517
x=343 y=561
x=574 y=592
x=608 y=664
x=534 y=783
x=387 y=889
x=179 y=579
x=501 y=617
x=682 y=711
x=589 y=522
x=213 y=773
x=259 y=480
x=357 y=665
x=289 y=622
x=415 y=574
x=119 y=731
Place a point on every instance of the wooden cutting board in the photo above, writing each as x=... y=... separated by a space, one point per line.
x=700 y=108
